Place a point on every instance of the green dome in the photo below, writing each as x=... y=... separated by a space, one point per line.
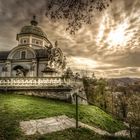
x=31 y=29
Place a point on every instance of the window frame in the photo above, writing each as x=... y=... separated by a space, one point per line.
x=21 y=54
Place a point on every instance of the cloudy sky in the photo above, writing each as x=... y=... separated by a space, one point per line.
x=110 y=46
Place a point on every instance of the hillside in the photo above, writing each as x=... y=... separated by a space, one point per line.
x=123 y=81
x=15 y=108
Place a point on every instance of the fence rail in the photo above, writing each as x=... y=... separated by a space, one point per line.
x=77 y=97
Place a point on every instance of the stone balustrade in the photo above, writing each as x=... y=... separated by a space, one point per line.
x=27 y=82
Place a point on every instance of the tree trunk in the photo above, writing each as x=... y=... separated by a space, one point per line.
x=130 y=130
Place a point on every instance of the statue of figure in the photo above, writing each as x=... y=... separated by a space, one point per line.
x=33 y=66
x=57 y=54
x=49 y=51
x=56 y=44
x=46 y=65
x=54 y=55
x=64 y=63
x=19 y=73
x=59 y=64
x=5 y=68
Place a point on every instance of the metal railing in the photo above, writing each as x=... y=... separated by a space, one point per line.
x=77 y=97
x=77 y=109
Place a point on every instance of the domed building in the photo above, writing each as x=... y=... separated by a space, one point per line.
x=37 y=67
x=35 y=56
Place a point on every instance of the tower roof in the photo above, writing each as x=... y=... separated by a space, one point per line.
x=32 y=29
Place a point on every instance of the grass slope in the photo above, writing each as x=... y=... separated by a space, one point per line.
x=74 y=134
x=14 y=108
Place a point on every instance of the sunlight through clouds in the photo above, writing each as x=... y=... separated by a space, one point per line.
x=118 y=37
x=82 y=62
x=118 y=30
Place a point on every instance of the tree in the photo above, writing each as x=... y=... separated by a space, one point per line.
x=68 y=74
x=133 y=117
x=89 y=86
x=123 y=105
x=96 y=91
x=75 y=12
x=112 y=87
x=101 y=93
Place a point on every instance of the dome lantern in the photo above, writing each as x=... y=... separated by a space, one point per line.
x=33 y=21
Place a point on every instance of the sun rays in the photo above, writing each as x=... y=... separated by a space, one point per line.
x=117 y=37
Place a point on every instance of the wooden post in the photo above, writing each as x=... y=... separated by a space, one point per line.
x=76 y=96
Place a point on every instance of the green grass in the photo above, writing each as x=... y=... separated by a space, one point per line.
x=14 y=108
x=74 y=134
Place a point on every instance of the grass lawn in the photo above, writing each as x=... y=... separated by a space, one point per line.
x=14 y=108
x=74 y=134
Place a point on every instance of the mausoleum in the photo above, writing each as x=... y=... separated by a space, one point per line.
x=36 y=66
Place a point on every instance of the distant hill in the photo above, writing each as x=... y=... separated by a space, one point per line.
x=123 y=81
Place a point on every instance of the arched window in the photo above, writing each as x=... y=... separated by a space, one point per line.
x=23 y=54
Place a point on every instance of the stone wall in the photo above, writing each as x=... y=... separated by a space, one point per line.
x=57 y=94
x=54 y=90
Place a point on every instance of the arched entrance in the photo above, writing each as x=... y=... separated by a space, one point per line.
x=20 y=71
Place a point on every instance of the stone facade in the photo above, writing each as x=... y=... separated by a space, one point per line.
x=35 y=64
x=35 y=56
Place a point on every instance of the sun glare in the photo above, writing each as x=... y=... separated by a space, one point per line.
x=117 y=37
x=114 y=36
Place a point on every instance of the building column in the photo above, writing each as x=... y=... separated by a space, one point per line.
x=30 y=41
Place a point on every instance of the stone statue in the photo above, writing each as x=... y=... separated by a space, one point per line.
x=54 y=55
x=19 y=73
x=5 y=68
x=57 y=54
x=33 y=66
x=64 y=63
x=56 y=44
